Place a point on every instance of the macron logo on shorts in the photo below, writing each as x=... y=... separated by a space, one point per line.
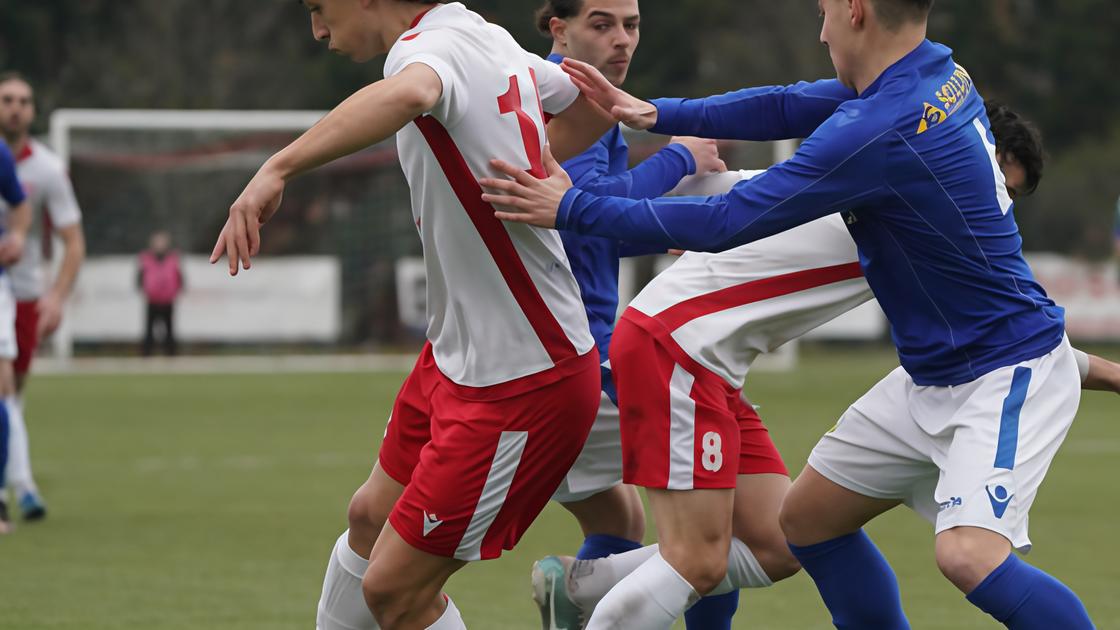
x=430 y=522
x=1000 y=498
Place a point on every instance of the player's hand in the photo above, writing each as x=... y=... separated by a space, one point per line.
x=704 y=152
x=630 y=111
x=11 y=248
x=240 y=239
x=50 y=313
x=527 y=199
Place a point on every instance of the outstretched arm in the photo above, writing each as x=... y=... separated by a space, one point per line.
x=1098 y=374
x=371 y=115
x=760 y=114
x=837 y=168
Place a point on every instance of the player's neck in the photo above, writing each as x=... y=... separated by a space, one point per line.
x=17 y=144
x=402 y=16
x=887 y=51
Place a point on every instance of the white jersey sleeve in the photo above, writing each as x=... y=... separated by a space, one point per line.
x=61 y=203
x=439 y=52
x=556 y=89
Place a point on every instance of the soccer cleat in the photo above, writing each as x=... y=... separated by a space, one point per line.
x=32 y=507
x=550 y=592
x=5 y=522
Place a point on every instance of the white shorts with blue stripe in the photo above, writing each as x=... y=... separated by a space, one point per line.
x=969 y=455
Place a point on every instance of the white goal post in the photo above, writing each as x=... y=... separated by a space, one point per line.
x=63 y=122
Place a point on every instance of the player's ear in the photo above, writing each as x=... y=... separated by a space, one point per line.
x=559 y=30
x=858 y=9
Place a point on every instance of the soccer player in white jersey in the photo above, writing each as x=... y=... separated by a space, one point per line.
x=54 y=210
x=709 y=316
x=502 y=398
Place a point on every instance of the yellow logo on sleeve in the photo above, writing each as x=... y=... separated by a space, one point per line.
x=950 y=97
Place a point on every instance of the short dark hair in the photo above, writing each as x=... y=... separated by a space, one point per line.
x=895 y=13
x=1018 y=138
x=12 y=75
x=562 y=9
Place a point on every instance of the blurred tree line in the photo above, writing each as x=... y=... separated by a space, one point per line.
x=1054 y=60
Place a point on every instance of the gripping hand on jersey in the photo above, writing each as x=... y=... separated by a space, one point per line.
x=630 y=111
x=240 y=239
x=527 y=199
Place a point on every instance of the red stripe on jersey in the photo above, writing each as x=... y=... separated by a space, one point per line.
x=416 y=20
x=497 y=240
x=749 y=292
x=411 y=37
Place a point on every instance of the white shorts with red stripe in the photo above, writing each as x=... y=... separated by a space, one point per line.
x=479 y=468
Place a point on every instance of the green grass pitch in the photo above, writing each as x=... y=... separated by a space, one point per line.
x=189 y=502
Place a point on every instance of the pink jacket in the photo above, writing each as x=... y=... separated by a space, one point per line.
x=161 y=279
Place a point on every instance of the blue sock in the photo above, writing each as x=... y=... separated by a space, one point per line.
x=4 y=434
x=713 y=612
x=603 y=545
x=855 y=582
x=1022 y=597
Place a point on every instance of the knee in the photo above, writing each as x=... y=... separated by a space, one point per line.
x=966 y=557
x=777 y=560
x=388 y=604
x=796 y=522
x=704 y=565
x=366 y=518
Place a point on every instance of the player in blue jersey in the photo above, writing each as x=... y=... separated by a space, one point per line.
x=14 y=235
x=605 y=34
x=965 y=430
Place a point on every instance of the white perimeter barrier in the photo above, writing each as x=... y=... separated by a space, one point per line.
x=289 y=299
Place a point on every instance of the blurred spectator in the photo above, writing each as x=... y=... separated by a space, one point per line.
x=161 y=280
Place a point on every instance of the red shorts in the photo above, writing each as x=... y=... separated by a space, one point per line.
x=27 y=334
x=683 y=426
x=478 y=472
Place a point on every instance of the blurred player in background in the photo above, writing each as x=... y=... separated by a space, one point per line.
x=16 y=214
x=54 y=209
x=504 y=395
x=605 y=33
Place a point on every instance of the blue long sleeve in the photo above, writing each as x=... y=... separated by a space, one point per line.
x=759 y=114
x=837 y=168
x=10 y=190
x=657 y=175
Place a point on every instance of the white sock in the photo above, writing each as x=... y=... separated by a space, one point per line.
x=19 y=455
x=342 y=605
x=653 y=597
x=590 y=580
x=450 y=619
x=743 y=570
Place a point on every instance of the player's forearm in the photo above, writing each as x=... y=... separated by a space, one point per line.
x=652 y=178
x=19 y=219
x=73 y=255
x=690 y=223
x=759 y=114
x=369 y=116
x=1104 y=375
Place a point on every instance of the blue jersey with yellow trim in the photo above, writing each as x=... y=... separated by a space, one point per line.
x=604 y=169
x=911 y=162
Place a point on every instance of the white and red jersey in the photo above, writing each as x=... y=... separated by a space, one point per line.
x=725 y=309
x=502 y=301
x=53 y=205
